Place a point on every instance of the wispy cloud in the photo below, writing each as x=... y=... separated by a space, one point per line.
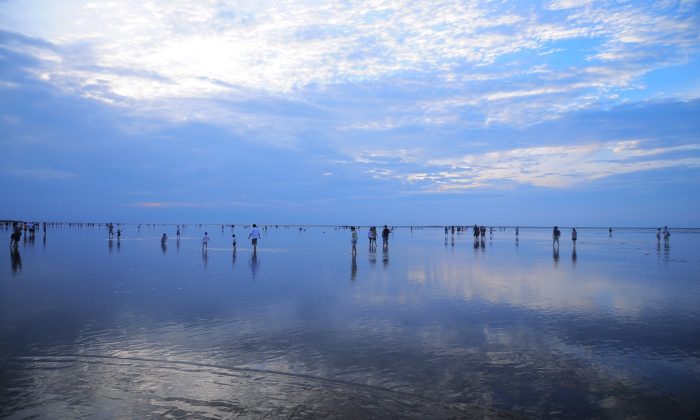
x=140 y=54
x=548 y=166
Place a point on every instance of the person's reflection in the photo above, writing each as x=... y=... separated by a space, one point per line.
x=205 y=257
x=233 y=258
x=15 y=258
x=476 y=243
x=111 y=245
x=372 y=258
x=483 y=243
x=516 y=242
x=119 y=245
x=177 y=244
x=555 y=254
x=385 y=257
x=254 y=264
x=163 y=247
x=573 y=256
x=43 y=240
x=667 y=250
x=353 y=268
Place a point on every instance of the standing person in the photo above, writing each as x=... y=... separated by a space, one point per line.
x=667 y=234
x=555 y=235
x=609 y=231
x=119 y=234
x=475 y=232
x=385 y=236
x=372 y=235
x=163 y=239
x=178 y=232
x=254 y=236
x=234 y=242
x=574 y=236
x=354 y=240
x=658 y=234
x=205 y=240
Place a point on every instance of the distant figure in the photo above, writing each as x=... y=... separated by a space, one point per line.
x=609 y=231
x=483 y=232
x=385 y=236
x=177 y=234
x=163 y=238
x=205 y=240
x=658 y=234
x=254 y=236
x=574 y=236
x=476 y=232
x=555 y=235
x=446 y=230
x=353 y=239
x=111 y=230
x=234 y=242
x=667 y=234
x=516 y=231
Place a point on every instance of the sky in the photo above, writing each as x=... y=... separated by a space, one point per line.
x=567 y=112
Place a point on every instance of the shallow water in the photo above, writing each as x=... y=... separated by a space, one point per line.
x=431 y=327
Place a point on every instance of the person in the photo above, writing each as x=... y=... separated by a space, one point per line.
x=178 y=232
x=119 y=234
x=517 y=229
x=385 y=236
x=476 y=232
x=574 y=236
x=555 y=235
x=667 y=234
x=609 y=231
x=234 y=241
x=163 y=239
x=658 y=234
x=205 y=240
x=254 y=236
x=372 y=235
x=354 y=240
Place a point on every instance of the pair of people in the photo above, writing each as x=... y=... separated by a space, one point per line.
x=556 y=233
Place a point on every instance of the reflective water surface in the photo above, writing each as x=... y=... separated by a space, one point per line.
x=431 y=326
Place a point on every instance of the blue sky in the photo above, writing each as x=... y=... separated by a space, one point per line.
x=562 y=112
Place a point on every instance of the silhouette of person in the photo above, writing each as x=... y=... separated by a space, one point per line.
x=385 y=237
x=163 y=239
x=254 y=236
x=353 y=239
x=574 y=236
x=205 y=240
x=555 y=235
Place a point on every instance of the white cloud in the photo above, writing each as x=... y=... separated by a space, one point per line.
x=545 y=166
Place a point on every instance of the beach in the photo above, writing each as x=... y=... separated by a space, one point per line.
x=433 y=325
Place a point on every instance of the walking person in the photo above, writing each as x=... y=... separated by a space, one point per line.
x=555 y=235
x=385 y=237
x=205 y=241
x=254 y=236
x=574 y=236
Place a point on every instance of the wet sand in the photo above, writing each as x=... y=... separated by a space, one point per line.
x=430 y=327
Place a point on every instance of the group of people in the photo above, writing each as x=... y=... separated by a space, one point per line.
x=253 y=236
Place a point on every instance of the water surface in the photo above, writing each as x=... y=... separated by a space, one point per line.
x=432 y=326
